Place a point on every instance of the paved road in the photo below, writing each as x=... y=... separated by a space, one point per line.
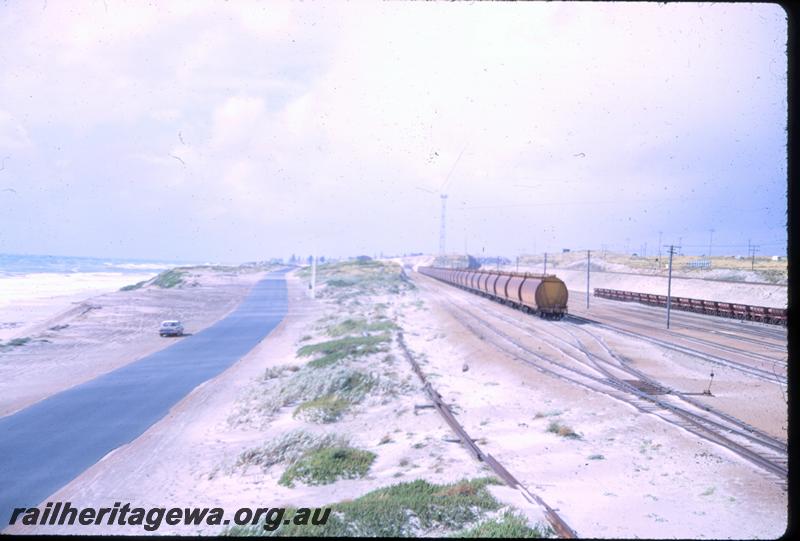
x=46 y=445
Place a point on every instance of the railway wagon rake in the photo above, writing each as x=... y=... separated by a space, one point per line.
x=745 y=312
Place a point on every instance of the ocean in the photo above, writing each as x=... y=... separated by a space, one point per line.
x=15 y=265
x=35 y=287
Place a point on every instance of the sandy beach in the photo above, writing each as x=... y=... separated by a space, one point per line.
x=29 y=299
x=74 y=337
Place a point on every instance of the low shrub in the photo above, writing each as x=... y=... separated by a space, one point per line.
x=510 y=525
x=327 y=465
x=326 y=409
x=288 y=448
x=169 y=279
x=350 y=346
x=412 y=509
x=562 y=430
x=15 y=342
x=132 y=287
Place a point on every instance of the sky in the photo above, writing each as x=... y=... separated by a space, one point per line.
x=238 y=131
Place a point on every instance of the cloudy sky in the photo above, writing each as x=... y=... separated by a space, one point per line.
x=234 y=131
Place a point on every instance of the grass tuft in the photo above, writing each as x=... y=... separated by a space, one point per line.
x=351 y=346
x=327 y=465
x=132 y=287
x=16 y=342
x=359 y=326
x=288 y=449
x=169 y=279
x=509 y=526
x=413 y=509
x=562 y=430
x=326 y=409
x=337 y=382
x=275 y=372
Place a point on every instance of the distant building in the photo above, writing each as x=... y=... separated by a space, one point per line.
x=777 y=258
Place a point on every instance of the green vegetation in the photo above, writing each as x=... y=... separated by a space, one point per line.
x=562 y=430
x=551 y=413
x=327 y=465
x=336 y=350
x=341 y=282
x=509 y=526
x=169 y=279
x=288 y=449
x=775 y=276
x=325 y=409
x=16 y=342
x=345 y=281
x=339 y=386
x=360 y=326
x=413 y=509
x=177 y=276
x=137 y=285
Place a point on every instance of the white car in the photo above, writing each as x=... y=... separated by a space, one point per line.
x=171 y=328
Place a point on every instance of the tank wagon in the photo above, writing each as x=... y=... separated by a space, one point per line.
x=542 y=294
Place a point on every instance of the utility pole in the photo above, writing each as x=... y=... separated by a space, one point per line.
x=753 y=250
x=545 y=263
x=669 y=282
x=588 y=267
x=517 y=263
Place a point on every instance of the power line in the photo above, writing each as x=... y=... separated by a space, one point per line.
x=447 y=179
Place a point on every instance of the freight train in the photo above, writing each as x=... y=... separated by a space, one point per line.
x=542 y=294
x=763 y=314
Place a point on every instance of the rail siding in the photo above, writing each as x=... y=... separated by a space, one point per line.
x=762 y=314
x=558 y=524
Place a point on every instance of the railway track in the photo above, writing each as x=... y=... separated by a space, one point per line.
x=760 y=373
x=645 y=315
x=606 y=373
x=761 y=334
x=558 y=524
x=762 y=314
